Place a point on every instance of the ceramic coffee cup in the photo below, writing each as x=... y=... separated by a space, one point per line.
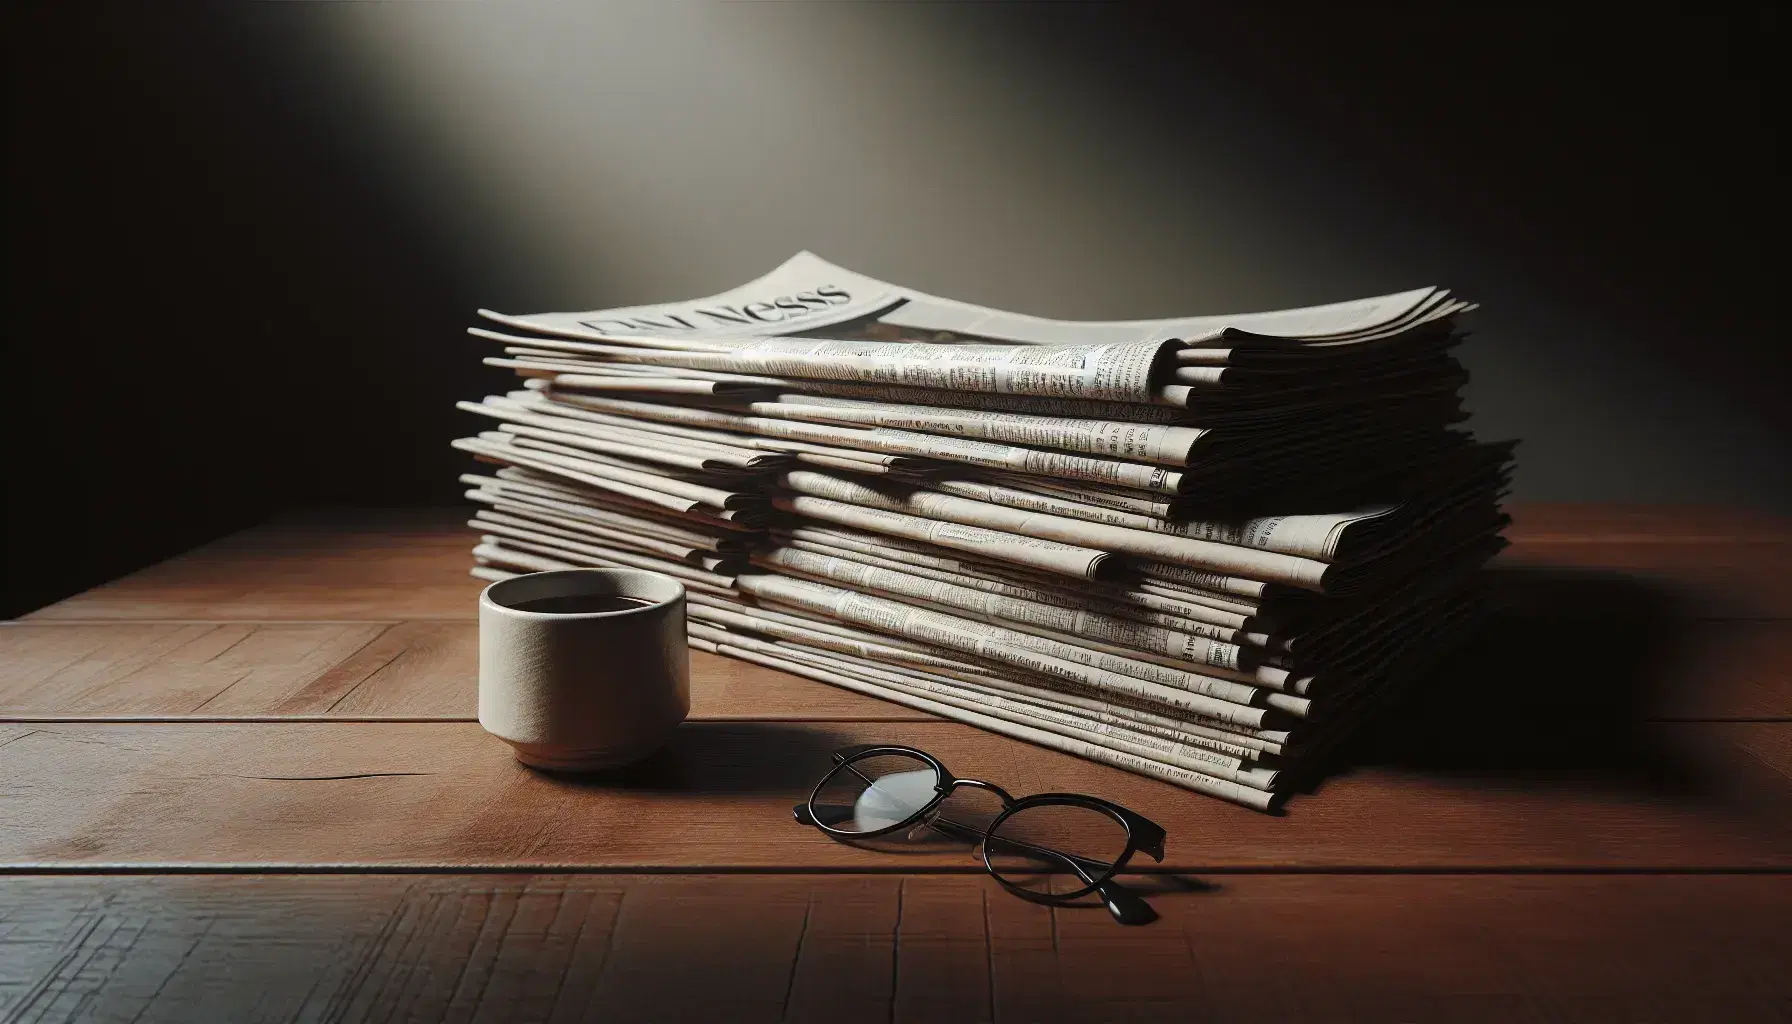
x=583 y=669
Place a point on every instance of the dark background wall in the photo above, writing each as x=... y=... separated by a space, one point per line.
x=242 y=241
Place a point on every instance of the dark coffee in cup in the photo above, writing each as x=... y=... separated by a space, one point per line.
x=579 y=604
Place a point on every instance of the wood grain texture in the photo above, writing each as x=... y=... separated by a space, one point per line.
x=180 y=669
x=1600 y=522
x=412 y=565
x=1712 y=795
x=1712 y=562
x=361 y=565
x=1714 y=580
x=897 y=948
x=429 y=670
x=405 y=670
x=1531 y=759
x=1740 y=670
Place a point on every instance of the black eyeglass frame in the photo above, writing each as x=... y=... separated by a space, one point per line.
x=1142 y=834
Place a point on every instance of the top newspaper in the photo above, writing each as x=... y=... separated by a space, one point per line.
x=808 y=294
x=805 y=319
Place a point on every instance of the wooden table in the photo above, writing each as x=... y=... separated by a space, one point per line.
x=247 y=784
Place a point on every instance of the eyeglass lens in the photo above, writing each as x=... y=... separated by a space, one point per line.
x=875 y=792
x=1049 y=848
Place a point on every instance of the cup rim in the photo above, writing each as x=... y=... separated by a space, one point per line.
x=487 y=601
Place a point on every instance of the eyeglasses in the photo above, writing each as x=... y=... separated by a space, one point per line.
x=1051 y=848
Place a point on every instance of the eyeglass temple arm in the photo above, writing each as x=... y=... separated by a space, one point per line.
x=1125 y=905
x=846 y=753
x=1149 y=836
x=1082 y=866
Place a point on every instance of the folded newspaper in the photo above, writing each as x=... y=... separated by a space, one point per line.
x=1202 y=549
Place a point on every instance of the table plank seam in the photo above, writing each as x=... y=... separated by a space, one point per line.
x=53 y=869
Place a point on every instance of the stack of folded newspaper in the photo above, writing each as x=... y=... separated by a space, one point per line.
x=1199 y=549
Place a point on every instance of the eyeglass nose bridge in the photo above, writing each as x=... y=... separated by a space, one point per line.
x=1007 y=800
